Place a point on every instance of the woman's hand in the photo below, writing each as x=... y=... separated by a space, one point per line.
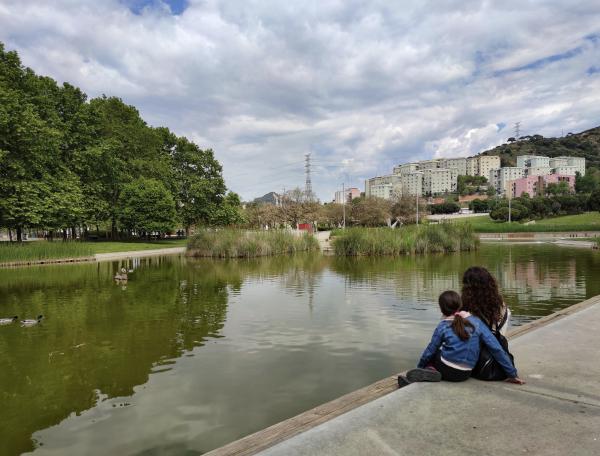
x=515 y=380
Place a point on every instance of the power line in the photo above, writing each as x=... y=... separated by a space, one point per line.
x=517 y=129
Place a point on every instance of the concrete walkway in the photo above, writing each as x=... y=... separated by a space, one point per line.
x=138 y=253
x=556 y=413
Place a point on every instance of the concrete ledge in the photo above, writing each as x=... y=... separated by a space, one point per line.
x=315 y=421
x=139 y=253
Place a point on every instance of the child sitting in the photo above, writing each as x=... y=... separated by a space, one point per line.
x=454 y=347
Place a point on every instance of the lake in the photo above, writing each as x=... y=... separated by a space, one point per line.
x=191 y=354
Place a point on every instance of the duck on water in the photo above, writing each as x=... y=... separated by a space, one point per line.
x=32 y=322
x=8 y=321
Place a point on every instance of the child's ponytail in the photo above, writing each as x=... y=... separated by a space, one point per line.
x=459 y=326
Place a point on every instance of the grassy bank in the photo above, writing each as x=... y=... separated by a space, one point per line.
x=11 y=252
x=407 y=240
x=589 y=221
x=248 y=244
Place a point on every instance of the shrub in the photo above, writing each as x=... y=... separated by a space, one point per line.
x=230 y=243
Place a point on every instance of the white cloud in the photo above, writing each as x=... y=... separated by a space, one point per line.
x=361 y=85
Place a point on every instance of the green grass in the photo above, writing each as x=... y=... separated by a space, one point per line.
x=228 y=243
x=590 y=221
x=44 y=250
x=413 y=239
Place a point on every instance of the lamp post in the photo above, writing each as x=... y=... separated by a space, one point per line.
x=417 y=206
x=344 y=203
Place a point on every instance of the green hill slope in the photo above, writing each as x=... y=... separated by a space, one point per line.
x=585 y=144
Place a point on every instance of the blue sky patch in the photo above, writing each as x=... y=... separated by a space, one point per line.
x=137 y=6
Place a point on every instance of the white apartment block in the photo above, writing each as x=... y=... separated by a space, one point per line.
x=538 y=171
x=429 y=164
x=439 y=181
x=406 y=168
x=500 y=177
x=577 y=162
x=459 y=164
x=410 y=184
x=558 y=161
x=482 y=165
x=381 y=186
x=565 y=170
x=533 y=161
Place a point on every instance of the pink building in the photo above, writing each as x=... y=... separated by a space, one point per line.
x=536 y=185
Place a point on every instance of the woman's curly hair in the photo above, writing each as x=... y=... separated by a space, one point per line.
x=480 y=295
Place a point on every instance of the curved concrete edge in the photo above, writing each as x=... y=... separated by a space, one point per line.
x=320 y=415
x=139 y=253
x=556 y=413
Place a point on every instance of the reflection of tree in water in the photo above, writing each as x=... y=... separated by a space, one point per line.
x=297 y=274
x=97 y=337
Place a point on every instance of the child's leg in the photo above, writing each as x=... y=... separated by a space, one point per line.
x=448 y=373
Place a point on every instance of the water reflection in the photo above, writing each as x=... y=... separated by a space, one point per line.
x=191 y=354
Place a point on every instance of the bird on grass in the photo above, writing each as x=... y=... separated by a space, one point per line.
x=32 y=322
x=8 y=321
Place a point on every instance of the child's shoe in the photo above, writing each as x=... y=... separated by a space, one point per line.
x=423 y=375
x=402 y=381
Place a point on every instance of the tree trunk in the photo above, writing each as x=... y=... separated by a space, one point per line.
x=187 y=231
x=113 y=229
x=10 y=235
x=73 y=233
x=19 y=234
x=64 y=234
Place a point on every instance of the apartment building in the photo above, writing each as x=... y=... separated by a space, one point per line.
x=565 y=170
x=533 y=161
x=481 y=165
x=536 y=185
x=500 y=177
x=576 y=162
x=439 y=181
x=410 y=184
x=406 y=168
x=381 y=186
x=459 y=164
x=347 y=195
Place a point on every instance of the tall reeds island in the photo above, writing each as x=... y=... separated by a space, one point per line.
x=229 y=243
x=406 y=240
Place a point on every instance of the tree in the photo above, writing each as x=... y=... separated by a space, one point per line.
x=371 y=211
x=560 y=188
x=594 y=200
x=296 y=208
x=478 y=206
x=228 y=212
x=146 y=206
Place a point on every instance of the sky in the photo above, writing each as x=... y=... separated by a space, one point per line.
x=360 y=85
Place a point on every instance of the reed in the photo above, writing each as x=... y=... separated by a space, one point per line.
x=405 y=241
x=43 y=250
x=230 y=243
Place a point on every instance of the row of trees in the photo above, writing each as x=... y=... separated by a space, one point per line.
x=525 y=207
x=67 y=163
x=361 y=211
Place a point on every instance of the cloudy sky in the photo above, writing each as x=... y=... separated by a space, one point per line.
x=362 y=85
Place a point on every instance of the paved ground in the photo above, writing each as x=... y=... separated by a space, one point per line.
x=556 y=413
x=138 y=253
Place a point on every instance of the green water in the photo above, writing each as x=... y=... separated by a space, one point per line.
x=192 y=354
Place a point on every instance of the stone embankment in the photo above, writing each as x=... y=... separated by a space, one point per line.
x=97 y=257
x=556 y=413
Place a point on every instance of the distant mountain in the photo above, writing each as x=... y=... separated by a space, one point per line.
x=585 y=144
x=269 y=198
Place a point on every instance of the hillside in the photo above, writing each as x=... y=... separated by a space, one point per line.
x=585 y=144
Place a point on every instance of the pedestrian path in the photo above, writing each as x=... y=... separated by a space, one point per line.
x=556 y=413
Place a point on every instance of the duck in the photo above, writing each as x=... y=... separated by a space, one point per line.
x=32 y=322
x=8 y=321
x=122 y=275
